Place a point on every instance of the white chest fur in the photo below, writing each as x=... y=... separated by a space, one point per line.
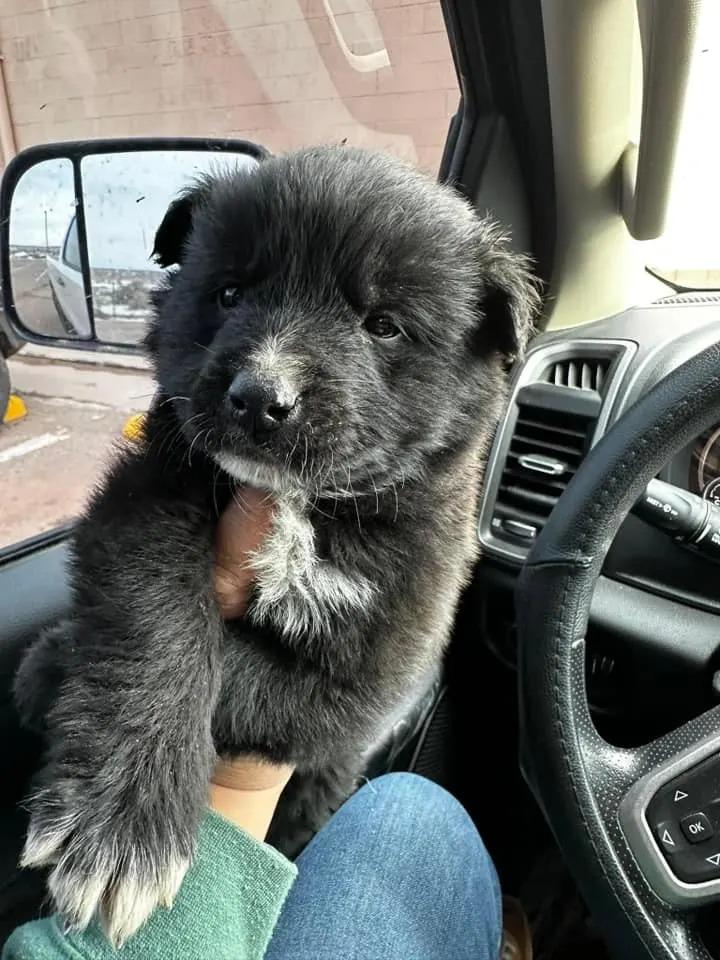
x=299 y=593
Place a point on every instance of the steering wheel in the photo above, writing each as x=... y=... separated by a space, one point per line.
x=627 y=820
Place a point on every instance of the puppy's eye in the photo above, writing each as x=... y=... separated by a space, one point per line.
x=382 y=327
x=228 y=297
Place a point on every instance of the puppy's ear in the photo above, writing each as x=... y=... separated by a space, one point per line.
x=176 y=226
x=510 y=301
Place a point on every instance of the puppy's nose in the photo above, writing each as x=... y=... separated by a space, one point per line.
x=262 y=407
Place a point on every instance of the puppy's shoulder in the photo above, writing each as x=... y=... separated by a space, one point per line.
x=146 y=491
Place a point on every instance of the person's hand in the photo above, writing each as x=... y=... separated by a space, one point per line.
x=246 y=792
x=241 y=529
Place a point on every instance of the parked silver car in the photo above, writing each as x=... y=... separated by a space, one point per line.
x=66 y=282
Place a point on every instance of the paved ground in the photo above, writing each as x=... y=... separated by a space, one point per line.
x=50 y=459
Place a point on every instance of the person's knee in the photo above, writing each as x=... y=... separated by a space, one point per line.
x=417 y=796
x=418 y=801
x=400 y=870
x=417 y=810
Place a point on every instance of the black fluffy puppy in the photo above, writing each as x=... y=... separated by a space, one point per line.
x=336 y=333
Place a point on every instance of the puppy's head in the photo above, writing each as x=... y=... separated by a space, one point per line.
x=336 y=320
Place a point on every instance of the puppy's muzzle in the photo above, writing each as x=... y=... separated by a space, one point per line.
x=259 y=406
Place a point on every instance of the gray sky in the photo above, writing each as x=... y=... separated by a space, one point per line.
x=43 y=196
x=126 y=196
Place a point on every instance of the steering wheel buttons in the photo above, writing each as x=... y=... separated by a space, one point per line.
x=669 y=836
x=697 y=866
x=697 y=828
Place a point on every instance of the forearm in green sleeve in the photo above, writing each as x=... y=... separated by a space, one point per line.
x=226 y=909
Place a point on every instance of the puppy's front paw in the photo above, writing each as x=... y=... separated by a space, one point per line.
x=117 y=863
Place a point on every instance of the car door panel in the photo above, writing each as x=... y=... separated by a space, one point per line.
x=34 y=592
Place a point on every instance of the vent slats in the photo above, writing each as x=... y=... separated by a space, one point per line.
x=587 y=373
x=557 y=409
x=532 y=443
x=689 y=297
x=528 y=423
x=518 y=513
x=540 y=500
x=546 y=449
x=552 y=484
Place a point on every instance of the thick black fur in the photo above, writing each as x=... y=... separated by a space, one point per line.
x=375 y=476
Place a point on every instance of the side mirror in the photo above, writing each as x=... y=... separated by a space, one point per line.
x=77 y=224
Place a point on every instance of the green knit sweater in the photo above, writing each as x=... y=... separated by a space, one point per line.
x=226 y=909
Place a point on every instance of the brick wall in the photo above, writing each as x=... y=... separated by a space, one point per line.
x=280 y=72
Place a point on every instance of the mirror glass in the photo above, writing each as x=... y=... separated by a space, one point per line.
x=45 y=264
x=124 y=198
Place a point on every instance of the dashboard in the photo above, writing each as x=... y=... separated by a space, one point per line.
x=656 y=605
x=704 y=465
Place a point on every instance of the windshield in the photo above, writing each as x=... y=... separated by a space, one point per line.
x=284 y=73
x=287 y=73
x=688 y=253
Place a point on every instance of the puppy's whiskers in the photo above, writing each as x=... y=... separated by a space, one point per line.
x=197 y=436
x=175 y=436
x=314 y=504
x=186 y=423
x=239 y=500
x=353 y=497
x=302 y=470
x=377 y=497
x=397 y=502
x=167 y=439
x=289 y=457
x=216 y=474
x=351 y=380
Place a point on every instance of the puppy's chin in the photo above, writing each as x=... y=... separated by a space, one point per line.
x=261 y=475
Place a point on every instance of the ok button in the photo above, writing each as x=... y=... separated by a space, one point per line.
x=697 y=827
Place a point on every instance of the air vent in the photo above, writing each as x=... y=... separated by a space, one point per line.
x=561 y=402
x=580 y=374
x=689 y=297
x=546 y=448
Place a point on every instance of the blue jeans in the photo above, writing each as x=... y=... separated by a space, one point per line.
x=399 y=873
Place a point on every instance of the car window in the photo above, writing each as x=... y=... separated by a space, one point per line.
x=71 y=251
x=284 y=73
